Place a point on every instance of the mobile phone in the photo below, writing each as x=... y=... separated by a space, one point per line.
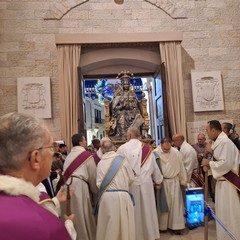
x=195 y=207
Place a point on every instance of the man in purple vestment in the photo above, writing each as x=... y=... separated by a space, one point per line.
x=25 y=160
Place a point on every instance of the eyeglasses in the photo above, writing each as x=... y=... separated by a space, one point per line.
x=52 y=148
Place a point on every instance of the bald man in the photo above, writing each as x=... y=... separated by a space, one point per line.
x=200 y=146
x=202 y=150
x=116 y=210
x=142 y=161
x=189 y=155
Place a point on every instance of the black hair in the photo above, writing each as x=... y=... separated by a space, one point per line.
x=227 y=126
x=61 y=145
x=166 y=139
x=95 y=142
x=215 y=124
x=76 y=138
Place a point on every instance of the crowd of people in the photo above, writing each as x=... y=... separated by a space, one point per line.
x=106 y=193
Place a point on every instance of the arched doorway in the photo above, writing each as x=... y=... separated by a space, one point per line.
x=105 y=55
x=106 y=61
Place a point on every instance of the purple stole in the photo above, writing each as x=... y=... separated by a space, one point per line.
x=146 y=150
x=96 y=158
x=76 y=163
x=232 y=178
x=197 y=178
x=44 y=197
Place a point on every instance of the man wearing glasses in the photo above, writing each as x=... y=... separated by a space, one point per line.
x=25 y=160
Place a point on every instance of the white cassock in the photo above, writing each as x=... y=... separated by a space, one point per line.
x=54 y=207
x=81 y=203
x=99 y=153
x=116 y=210
x=146 y=221
x=227 y=199
x=174 y=173
x=189 y=157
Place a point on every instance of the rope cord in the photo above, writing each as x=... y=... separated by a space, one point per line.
x=209 y=212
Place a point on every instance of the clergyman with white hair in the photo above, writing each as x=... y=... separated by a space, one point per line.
x=98 y=154
x=115 y=206
x=148 y=175
x=25 y=160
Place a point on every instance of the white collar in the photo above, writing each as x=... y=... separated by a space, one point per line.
x=18 y=186
x=77 y=148
x=219 y=139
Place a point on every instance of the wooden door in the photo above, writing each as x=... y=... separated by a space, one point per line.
x=161 y=123
x=82 y=104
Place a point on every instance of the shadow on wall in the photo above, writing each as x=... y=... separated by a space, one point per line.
x=188 y=65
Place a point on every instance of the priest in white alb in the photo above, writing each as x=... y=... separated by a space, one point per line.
x=143 y=162
x=174 y=175
x=115 y=207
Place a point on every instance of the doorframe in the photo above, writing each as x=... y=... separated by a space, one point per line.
x=100 y=38
x=111 y=39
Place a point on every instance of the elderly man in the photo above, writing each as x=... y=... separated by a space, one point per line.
x=143 y=162
x=200 y=146
x=81 y=168
x=98 y=154
x=224 y=166
x=189 y=157
x=174 y=174
x=25 y=160
x=97 y=157
x=116 y=212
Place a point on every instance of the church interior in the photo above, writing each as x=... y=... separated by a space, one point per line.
x=60 y=60
x=113 y=37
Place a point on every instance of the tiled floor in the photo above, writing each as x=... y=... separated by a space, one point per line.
x=194 y=234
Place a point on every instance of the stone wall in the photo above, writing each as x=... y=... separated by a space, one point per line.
x=211 y=41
